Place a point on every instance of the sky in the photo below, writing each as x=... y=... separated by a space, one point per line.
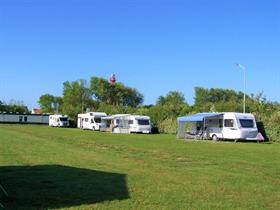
x=155 y=46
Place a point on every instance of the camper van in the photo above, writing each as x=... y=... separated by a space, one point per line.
x=139 y=124
x=225 y=125
x=58 y=120
x=90 y=120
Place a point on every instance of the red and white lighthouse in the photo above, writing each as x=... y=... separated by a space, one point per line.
x=112 y=79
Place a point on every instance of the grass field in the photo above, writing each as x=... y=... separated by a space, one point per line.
x=53 y=168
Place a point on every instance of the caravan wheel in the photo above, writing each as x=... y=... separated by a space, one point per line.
x=215 y=138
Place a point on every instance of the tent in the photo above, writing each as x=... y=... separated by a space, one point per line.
x=198 y=117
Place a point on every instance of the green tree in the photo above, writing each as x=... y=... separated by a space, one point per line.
x=217 y=99
x=76 y=98
x=116 y=94
x=167 y=109
x=14 y=106
x=49 y=103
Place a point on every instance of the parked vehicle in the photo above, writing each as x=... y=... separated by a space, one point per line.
x=24 y=118
x=225 y=125
x=118 y=123
x=58 y=120
x=90 y=120
x=126 y=123
x=139 y=124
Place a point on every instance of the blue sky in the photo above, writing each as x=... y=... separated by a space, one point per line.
x=154 y=46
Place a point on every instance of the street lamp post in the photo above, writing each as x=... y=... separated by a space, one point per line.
x=244 y=88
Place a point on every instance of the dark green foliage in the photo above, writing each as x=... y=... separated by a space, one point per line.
x=267 y=113
x=76 y=98
x=167 y=109
x=217 y=99
x=50 y=104
x=169 y=125
x=116 y=94
x=14 y=107
x=111 y=109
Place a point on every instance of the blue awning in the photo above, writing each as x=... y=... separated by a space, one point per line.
x=198 y=117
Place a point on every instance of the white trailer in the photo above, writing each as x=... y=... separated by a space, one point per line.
x=224 y=125
x=139 y=124
x=126 y=123
x=24 y=118
x=58 y=120
x=90 y=120
x=118 y=123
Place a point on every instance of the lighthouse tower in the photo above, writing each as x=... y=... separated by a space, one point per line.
x=112 y=79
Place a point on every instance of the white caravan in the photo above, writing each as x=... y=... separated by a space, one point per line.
x=90 y=120
x=139 y=124
x=118 y=123
x=58 y=120
x=226 y=125
x=126 y=123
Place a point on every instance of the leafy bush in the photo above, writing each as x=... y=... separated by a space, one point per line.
x=168 y=125
x=272 y=127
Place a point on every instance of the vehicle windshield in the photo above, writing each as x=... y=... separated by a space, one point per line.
x=245 y=123
x=97 y=119
x=62 y=119
x=143 y=122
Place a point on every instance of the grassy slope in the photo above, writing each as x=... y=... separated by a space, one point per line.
x=160 y=172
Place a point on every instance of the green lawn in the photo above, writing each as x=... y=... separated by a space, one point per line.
x=53 y=168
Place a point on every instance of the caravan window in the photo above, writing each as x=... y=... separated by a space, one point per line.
x=25 y=118
x=220 y=123
x=229 y=123
x=245 y=123
x=143 y=122
x=63 y=119
x=130 y=122
x=97 y=119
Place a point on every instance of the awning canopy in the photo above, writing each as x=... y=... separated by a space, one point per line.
x=116 y=116
x=198 y=117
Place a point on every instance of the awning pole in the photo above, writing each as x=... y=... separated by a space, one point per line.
x=203 y=128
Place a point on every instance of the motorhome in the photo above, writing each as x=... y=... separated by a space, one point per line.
x=58 y=120
x=224 y=125
x=90 y=120
x=23 y=118
x=139 y=124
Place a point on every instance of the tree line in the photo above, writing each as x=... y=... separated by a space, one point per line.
x=14 y=107
x=78 y=96
x=99 y=95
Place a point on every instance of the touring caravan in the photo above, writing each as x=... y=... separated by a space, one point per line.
x=139 y=124
x=118 y=123
x=90 y=120
x=58 y=120
x=126 y=123
x=225 y=125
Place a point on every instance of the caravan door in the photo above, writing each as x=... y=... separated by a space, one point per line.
x=230 y=129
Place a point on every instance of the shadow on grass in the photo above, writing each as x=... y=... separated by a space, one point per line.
x=57 y=186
